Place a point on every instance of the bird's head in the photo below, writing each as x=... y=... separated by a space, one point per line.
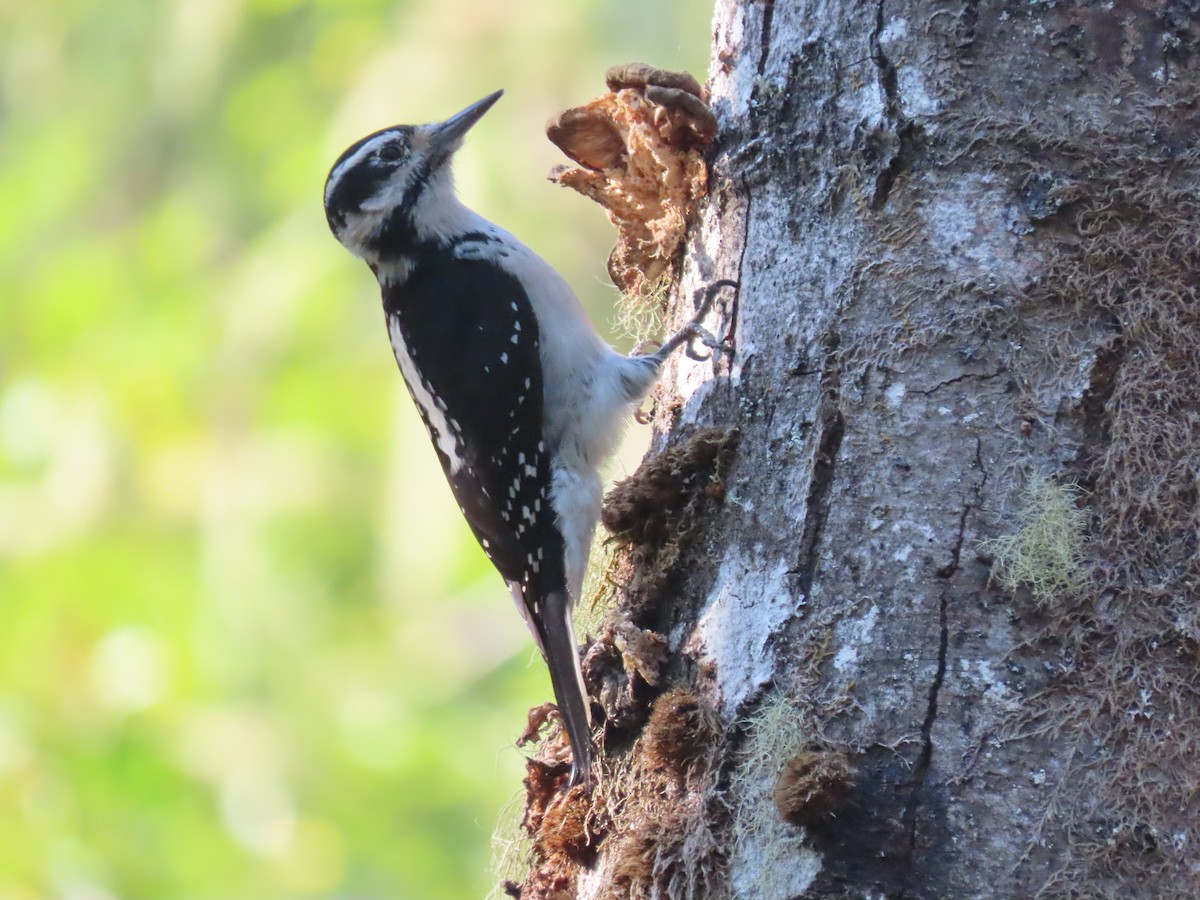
x=393 y=189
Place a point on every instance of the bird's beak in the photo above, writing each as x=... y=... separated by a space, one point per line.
x=446 y=137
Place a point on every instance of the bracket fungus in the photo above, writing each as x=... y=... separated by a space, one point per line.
x=640 y=154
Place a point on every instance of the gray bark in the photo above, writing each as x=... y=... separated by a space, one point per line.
x=939 y=217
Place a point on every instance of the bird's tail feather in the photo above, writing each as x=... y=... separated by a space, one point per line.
x=566 y=677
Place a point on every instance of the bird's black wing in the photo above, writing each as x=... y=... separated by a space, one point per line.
x=466 y=339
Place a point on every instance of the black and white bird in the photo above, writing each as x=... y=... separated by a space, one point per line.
x=521 y=397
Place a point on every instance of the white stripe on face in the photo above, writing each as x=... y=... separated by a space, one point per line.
x=354 y=159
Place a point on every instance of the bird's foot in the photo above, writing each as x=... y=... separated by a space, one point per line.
x=694 y=332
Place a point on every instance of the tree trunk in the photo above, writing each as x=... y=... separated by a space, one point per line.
x=906 y=593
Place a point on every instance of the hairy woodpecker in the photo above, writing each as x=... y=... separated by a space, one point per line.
x=522 y=399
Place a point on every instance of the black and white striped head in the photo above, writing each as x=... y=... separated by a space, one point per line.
x=394 y=188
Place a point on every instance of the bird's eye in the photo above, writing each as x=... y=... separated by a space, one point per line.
x=391 y=152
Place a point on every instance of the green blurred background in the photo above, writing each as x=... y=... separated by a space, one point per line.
x=247 y=647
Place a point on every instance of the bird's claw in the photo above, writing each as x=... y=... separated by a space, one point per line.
x=705 y=337
x=705 y=297
x=694 y=332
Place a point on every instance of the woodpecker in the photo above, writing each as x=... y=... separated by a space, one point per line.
x=522 y=399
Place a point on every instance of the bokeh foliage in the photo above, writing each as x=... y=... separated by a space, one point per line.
x=247 y=649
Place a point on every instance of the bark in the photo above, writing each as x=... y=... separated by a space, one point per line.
x=910 y=610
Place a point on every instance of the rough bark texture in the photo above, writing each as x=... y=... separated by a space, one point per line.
x=909 y=606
